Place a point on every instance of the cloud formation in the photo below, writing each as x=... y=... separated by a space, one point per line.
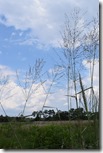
x=87 y=80
x=37 y=22
x=43 y=18
x=6 y=71
x=13 y=99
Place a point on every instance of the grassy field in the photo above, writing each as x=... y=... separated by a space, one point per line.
x=50 y=135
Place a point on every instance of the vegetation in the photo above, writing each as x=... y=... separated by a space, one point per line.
x=80 y=128
x=56 y=130
x=78 y=135
x=51 y=115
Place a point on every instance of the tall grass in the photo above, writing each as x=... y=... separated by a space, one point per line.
x=95 y=121
x=77 y=135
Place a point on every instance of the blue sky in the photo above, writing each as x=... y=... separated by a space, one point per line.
x=30 y=29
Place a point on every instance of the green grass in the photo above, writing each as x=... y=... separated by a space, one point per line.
x=67 y=136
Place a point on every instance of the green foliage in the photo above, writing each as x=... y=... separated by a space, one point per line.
x=76 y=135
x=50 y=115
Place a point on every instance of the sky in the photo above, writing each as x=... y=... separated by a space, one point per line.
x=30 y=29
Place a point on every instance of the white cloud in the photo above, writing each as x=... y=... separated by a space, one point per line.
x=13 y=99
x=86 y=81
x=6 y=71
x=44 y=18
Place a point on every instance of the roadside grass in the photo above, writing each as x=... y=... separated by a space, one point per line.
x=67 y=136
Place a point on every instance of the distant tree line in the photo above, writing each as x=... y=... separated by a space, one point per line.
x=73 y=114
x=51 y=115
